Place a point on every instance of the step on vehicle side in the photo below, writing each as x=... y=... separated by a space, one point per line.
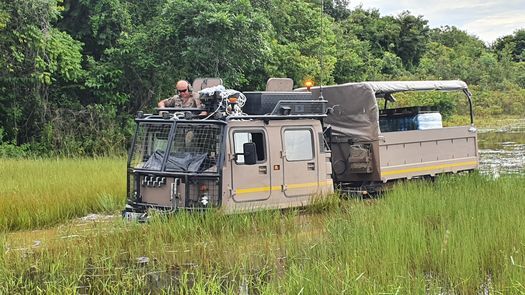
x=283 y=148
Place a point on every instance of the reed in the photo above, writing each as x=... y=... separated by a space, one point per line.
x=460 y=234
x=39 y=193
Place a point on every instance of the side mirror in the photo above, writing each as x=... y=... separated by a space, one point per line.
x=250 y=153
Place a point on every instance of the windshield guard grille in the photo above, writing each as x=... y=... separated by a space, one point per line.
x=195 y=148
x=151 y=140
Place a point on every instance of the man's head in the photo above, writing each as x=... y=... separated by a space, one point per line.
x=183 y=89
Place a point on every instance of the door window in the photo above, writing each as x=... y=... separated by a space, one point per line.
x=298 y=144
x=242 y=137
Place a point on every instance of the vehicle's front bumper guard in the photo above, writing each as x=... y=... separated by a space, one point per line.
x=140 y=211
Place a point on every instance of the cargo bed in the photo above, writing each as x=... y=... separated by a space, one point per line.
x=408 y=154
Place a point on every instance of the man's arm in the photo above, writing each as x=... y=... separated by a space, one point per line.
x=199 y=104
x=162 y=103
x=168 y=102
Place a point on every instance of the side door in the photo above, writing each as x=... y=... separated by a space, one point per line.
x=300 y=166
x=250 y=182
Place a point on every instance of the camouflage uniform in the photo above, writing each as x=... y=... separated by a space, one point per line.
x=176 y=102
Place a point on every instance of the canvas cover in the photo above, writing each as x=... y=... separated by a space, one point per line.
x=355 y=111
x=382 y=87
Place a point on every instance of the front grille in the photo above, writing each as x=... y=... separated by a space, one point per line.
x=202 y=192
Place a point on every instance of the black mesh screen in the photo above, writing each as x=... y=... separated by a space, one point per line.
x=202 y=192
x=151 y=142
x=195 y=148
x=131 y=187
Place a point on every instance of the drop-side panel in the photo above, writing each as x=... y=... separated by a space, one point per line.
x=408 y=154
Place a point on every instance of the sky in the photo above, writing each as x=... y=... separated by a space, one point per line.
x=487 y=19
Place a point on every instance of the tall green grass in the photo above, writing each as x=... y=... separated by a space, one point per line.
x=461 y=234
x=454 y=236
x=38 y=193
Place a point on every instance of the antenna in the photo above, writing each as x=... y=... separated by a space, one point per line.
x=321 y=54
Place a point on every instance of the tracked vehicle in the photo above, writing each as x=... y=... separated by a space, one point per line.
x=282 y=147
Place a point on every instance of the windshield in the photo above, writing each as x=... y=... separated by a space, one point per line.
x=195 y=147
x=151 y=142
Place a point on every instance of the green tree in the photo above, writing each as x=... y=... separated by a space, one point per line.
x=355 y=61
x=452 y=37
x=368 y=26
x=337 y=9
x=189 y=39
x=97 y=23
x=34 y=57
x=514 y=43
x=452 y=54
x=295 y=42
x=413 y=38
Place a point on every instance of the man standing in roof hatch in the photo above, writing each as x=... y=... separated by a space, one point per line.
x=183 y=99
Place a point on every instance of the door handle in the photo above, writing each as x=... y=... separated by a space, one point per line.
x=263 y=170
x=310 y=165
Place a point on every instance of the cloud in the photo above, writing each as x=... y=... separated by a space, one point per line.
x=491 y=27
x=486 y=19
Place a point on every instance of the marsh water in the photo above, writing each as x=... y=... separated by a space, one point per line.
x=502 y=150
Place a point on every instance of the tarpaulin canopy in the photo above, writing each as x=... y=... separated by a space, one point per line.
x=383 y=87
x=355 y=112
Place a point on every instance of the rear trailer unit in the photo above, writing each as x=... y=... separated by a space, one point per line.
x=372 y=147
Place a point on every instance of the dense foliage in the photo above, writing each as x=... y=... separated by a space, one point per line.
x=73 y=72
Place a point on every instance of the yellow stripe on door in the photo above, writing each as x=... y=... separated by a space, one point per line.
x=257 y=189
x=278 y=187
